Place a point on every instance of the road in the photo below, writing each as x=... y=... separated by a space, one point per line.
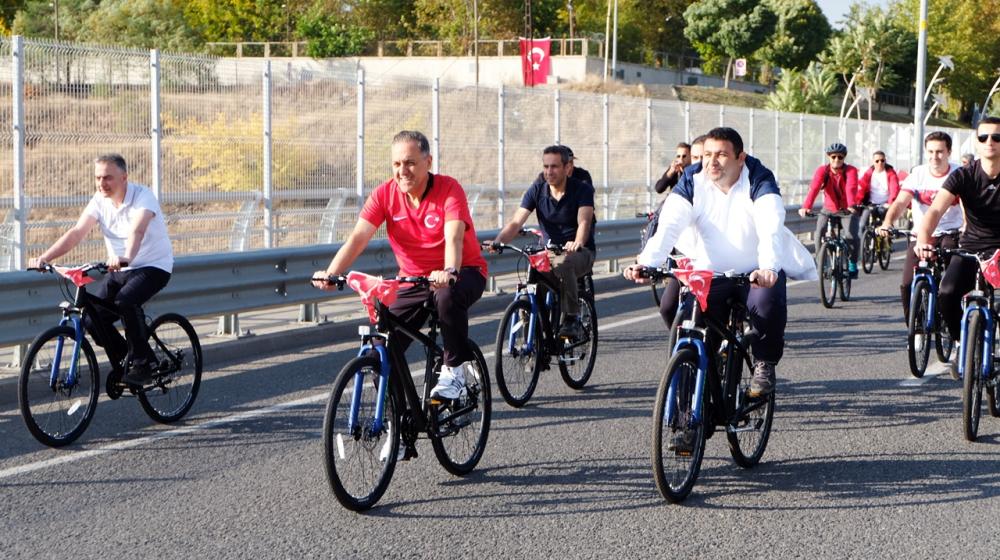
x=863 y=461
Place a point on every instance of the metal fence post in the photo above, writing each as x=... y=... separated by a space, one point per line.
x=20 y=212
x=649 y=153
x=556 y=116
x=750 y=149
x=824 y=140
x=687 y=119
x=435 y=125
x=500 y=156
x=268 y=159
x=154 y=123
x=722 y=115
x=360 y=150
x=777 y=146
x=605 y=156
x=802 y=146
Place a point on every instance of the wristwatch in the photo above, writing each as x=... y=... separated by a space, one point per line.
x=451 y=270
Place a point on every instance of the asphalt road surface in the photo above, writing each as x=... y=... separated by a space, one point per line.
x=864 y=461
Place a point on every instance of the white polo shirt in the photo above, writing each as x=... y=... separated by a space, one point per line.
x=116 y=224
x=924 y=185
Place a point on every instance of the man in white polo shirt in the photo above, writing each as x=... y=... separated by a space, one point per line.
x=733 y=203
x=140 y=258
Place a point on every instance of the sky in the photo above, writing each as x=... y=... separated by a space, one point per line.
x=835 y=9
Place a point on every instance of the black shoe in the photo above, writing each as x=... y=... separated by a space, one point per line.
x=763 y=380
x=140 y=374
x=572 y=329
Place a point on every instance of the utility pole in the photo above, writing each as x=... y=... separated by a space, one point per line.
x=918 y=98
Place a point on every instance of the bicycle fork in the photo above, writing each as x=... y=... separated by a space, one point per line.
x=383 y=384
x=931 y=318
x=988 y=341
x=74 y=358
x=697 y=407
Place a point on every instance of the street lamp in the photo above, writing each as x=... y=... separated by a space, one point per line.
x=945 y=62
x=938 y=101
x=989 y=95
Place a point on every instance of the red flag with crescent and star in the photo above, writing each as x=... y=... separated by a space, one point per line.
x=700 y=283
x=535 y=60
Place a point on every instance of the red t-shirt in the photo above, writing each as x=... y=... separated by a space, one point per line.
x=416 y=235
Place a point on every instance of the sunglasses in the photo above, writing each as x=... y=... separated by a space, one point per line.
x=880 y=161
x=995 y=136
x=836 y=156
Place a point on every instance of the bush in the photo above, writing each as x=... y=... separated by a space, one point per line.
x=328 y=38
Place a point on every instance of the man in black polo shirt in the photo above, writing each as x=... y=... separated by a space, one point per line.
x=565 y=208
x=978 y=187
x=578 y=173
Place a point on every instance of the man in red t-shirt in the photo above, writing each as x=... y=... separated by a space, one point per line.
x=839 y=182
x=431 y=233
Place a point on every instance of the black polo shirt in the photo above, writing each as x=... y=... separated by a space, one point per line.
x=558 y=217
x=980 y=196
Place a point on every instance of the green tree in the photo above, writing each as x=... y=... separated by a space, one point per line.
x=37 y=19
x=969 y=32
x=327 y=37
x=244 y=20
x=140 y=23
x=734 y=28
x=800 y=35
x=807 y=91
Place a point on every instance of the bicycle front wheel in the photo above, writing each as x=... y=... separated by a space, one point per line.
x=58 y=400
x=828 y=274
x=918 y=348
x=750 y=420
x=972 y=393
x=678 y=442
x=868 y=250
x=518 y=349
x=177 y=373
x=461 y=429
x=359 y=456
x=576 y=364
x=884 y=253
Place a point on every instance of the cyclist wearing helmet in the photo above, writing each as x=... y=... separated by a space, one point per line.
x=839 y=182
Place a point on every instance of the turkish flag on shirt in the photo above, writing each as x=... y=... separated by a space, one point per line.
x=535 y=60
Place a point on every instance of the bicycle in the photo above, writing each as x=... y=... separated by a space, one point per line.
x=925 y=321
x=833 y=257
x=699 y=392
x=374 y=406
x=526 y=339
x=58 y=386
x=874 y=247
x=978 y=358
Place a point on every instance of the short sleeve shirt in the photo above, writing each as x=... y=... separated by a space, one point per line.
x=558 y=217
x=416 y=235
x=924 y=185
x=980 y=196
x=116 y=225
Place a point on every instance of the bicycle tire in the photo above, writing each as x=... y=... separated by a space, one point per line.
x=868 y=250
x=178 y=374
x=918 y=347
x=749 y=433
x=885 y=254
x=972 y=383
x=844 y=280
x=944 y=345
x=459 y=443
x=584 y=355
x=993 y=393
x=516 y=370
x=675 y=474
x=349 y=450
x=828 y=276
x=57 y=417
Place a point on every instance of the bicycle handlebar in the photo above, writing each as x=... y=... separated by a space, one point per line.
x=659 y=273
x=340 y=280
x=100 y=267
x=837 y=214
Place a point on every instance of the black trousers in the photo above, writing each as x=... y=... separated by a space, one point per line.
x=959 y=278
x=768 y=309
x=452 y=304
x=127 y=290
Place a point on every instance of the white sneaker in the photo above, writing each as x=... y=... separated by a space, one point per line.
x=450 y=383
x=952 y=366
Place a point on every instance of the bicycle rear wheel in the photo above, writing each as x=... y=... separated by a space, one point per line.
x=868 y=250
x=972 y=386
x=177 y=375
x=577 y=363
x=678 y=445
x=359 y=459
x=828 y=276
x=844 y=278
x=516 y=366
x=750 y=420
x=56 y=413
x=918 y=347
x=462 y=428
x=884 y=253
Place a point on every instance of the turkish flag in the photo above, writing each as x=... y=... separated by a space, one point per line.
x=535 y=60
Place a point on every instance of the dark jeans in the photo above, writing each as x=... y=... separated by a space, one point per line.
x=944 y=241
x=959 y=278
x=452 y=304
x=867 y=212
x=127 y=290
x=567 y=268
x=850 y=233
x=768 y=309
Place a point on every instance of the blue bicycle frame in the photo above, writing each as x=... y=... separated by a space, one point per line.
x=529 y=292
x=931 y=298
x=384 y=369
x=976 y=306
x=697 y=412
x=74 y=360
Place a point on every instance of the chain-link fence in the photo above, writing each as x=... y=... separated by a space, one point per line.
x=252 y=153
